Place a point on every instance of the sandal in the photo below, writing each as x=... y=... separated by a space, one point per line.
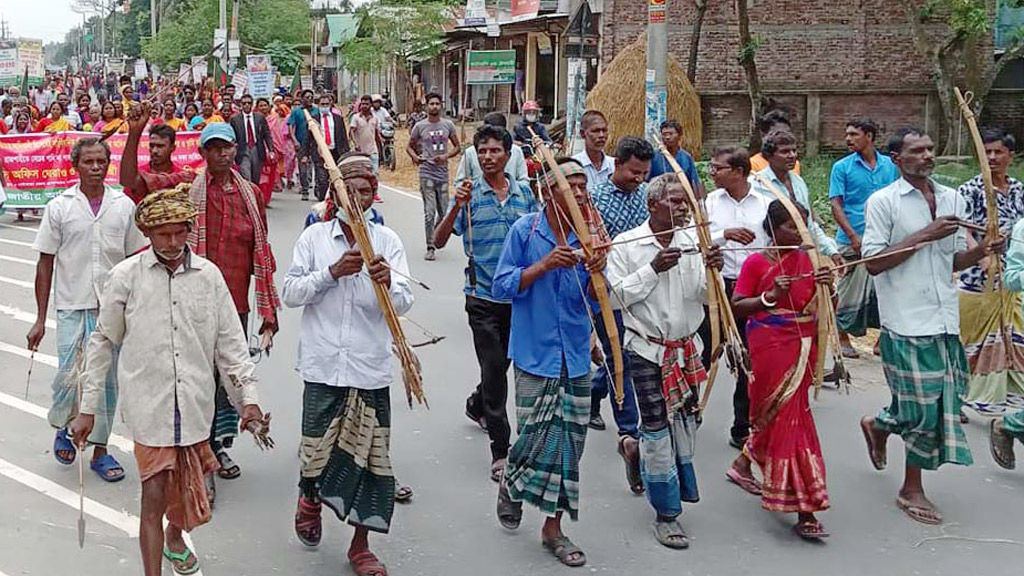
x=211 y=489
x=104 y=465
x=849 y=352
x=564 y=550
x=1001 y=444
x=636 y=483
x=497 y=470
x=228 y=469
x=61 y=443
x=747 y=483
x=402 y=493
x=811 y=530
x=180 y=561
x=671 y=535
x=879 y=458
x=510 y=513
x=922 y=514
x=364 y=563
x=308 y=525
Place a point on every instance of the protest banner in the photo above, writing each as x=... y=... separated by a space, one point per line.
x=261 y=80
x=37 y=167
x=30 y=54
x=199 y=67
x=10 y=72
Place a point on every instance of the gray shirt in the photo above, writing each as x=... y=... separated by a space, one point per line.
x=430 y=139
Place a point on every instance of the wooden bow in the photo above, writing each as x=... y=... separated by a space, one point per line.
x=828 y=332
x=725 y=334
x=412 y=378
x=597 y=279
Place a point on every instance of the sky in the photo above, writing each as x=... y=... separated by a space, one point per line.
x=46 y=20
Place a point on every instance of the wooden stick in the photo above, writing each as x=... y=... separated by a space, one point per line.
x=31 y=363
x=408 y=277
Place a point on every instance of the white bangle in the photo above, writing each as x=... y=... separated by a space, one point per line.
x=766 y=303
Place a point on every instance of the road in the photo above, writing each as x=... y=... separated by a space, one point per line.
x=449 y=527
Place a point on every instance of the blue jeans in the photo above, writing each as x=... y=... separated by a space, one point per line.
x=627 y=418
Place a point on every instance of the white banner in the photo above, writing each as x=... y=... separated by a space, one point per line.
x=261 y=76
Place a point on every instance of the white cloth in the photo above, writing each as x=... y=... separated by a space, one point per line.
x=174 y=330
x=726 y=212
x=86 y=246
x=327 y=128
x=917 y=297
x=669 y=305
x=595 y=176
x=515 y=168
x=344 y=339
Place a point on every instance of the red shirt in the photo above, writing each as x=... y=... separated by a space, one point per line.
x=231 y=239
x=159 y=181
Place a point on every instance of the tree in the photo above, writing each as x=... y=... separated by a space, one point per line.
x=749 y=45
x=956 y=38
x=698 y=25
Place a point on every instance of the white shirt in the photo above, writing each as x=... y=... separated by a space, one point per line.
x=174 y=330
x=86 y=246
x=344 y=339
x=327 y=127
x=595 y=176
x=382 y=114
x=917 y=297
x=250 y=128
x=668 y=305
x=826 y=245
x=726 y=212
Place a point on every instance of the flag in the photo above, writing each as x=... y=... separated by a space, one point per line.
x=297 y=78
x=24 y=83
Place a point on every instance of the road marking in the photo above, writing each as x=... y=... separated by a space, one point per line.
x=17 y=260
x=120 y=442
x=401 y=192
x=15 y=242
x=22 y=316
x=18 y=283
x=25 y=353
x=28 y=229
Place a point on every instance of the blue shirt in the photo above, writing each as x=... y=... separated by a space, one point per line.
x=660 y=166
x=854 y=182
x=621 y=211
x=550 y=319
x=298 y=119
x=491 y=224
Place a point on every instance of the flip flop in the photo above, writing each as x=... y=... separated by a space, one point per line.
x=924 y=515
x=364 y=563
x=879 y=459
x=636 y=483
x=104 y=465
x=849 y=352
x=671 y=535
x=1001 y=445
x=403 y=493
x=811 y=530
x=178 y=560
x=563 y=549
x=61 y=443
x=747 y=483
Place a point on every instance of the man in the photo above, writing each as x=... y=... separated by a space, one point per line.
x=379 y=111
x=469 y=164
x=482 y=212
x=598 y=165
x=345 y=362
x=364 y=131
x=332 y=126
x=671 y=132
x=531 y=121
x=661 y=282
x=231 y=232
x=736 y=213
x=255 y=147
x=297 y=131
x=549 y=340
x=1010 y=426
x=227 y=102
x=773 y=121
x=84 y=233
x=854 y=179
x=622 y=203
x=161 y=173
x=428 y=148
x=923 y=358
x=168 y=354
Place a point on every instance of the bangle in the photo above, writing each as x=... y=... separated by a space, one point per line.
x=766 y=303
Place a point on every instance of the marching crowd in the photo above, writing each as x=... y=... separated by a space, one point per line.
x=161 y=332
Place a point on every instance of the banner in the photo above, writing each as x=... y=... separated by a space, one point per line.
x=491 y=67
x=37 y=167
x=140 y=69
x=261 y=76
x=524 y=9
x=10 y=72
x=30 y=54
x=199 y=67
x=239 y=81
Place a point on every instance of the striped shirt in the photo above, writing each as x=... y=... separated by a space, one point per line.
x=491 y=222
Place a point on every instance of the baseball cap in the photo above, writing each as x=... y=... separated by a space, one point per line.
x=217 y=131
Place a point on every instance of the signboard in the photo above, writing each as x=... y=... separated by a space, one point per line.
x=544 y=45
x=476 y=13
x=491 y=67
x=240 y=80
x=524 y=9
x=307 y=81
x=10 y=72
x=184 y=72
x=140 y=69
x=198 y=69
x=37 y=167
x=656 y=12
x=493 y=30
x=220 y=38
x=234 y=50
x=115 y=65
x=30 y=54
x=261 y=76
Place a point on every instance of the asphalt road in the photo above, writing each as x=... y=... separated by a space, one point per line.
x=450 y=527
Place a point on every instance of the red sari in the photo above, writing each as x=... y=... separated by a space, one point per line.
x=782 y=343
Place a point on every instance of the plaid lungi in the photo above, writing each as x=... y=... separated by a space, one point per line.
x=996 y=383
x=857 y=308
x=928 y=378
x=544 y=464
x=346 y=433
x=73 y=330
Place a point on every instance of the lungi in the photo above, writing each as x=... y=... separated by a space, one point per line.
x=185 y=491
x=543 y=466
x=1014 y=424
x=996 y=383
x=857 y=308
x=73 y=330
x=225 y=418
x=346 y=434
x=927 y=376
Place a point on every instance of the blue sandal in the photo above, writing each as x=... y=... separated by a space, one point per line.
x=61 y=443
x=103 y=465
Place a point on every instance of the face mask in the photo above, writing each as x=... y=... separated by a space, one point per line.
x=325 y=110
x=343 y=215
x=531 y=117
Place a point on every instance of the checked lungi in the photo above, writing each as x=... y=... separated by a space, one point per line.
x=1013 y=423
x=996 y=360
x=543 y=466
x=927 y=376
x=73 y=330
x=857 y=308
x=346 y=434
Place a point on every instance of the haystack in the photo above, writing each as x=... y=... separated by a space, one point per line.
x=620 y=96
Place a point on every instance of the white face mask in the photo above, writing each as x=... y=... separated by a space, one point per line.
x=531 y=116
x=325 y=109
x=343 y=214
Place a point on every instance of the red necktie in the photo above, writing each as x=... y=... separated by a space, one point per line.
x=249 y=132
x=327 y=132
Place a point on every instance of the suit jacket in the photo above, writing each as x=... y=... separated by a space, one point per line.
x=264 y=140
x=340 y=137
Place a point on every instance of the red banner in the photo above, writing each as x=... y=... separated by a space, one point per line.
x=525 y=9
x=37 y=167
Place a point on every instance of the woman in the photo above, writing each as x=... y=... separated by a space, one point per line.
x=775 y=291
x=269 y=172
x=177 y=124
x=208 y=116
x=278 y=121
x=112 y=121
x=95 y=112
x=155 y=117
x=54 y=121
x=107 y=115
x=21 y=122
x=191 y=113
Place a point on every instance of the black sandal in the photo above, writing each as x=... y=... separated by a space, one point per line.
x=228 y=469
x=510 y=513
x=563 y=548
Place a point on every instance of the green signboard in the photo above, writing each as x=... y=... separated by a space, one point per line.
x=491 y=67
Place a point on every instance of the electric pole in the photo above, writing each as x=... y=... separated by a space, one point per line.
x=656 y=78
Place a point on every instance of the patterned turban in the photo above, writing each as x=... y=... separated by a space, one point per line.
x=566 y=168
x=355 y=165
x=172 y=206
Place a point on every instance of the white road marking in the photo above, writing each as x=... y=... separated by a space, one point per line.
x=400 y=191
x=120 y=442
x=26 y=317
x=25 y=353
x=17 y=260
x=15 y=242
x=18 y=283
x=28 y=229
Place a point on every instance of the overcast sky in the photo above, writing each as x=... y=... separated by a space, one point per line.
x=46 y=20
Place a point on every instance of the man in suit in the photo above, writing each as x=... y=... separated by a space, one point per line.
x=254 y=142
x=332 y=126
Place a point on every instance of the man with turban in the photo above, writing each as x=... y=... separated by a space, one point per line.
x=344 y=360
x=170 y=312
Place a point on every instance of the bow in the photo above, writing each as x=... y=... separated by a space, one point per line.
x=723 y=323
x=597 y=279
x=828 y=332
x=411 y=375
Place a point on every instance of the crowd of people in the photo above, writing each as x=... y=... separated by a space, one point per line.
x=161 y=332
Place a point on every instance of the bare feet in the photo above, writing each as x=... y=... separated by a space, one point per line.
x=876 y=440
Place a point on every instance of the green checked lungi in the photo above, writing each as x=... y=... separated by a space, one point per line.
x=1014 y=424
x=928 y=379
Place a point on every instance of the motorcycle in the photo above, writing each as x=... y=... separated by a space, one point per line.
x=387 y=136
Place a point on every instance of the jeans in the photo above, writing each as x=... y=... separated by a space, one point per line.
x=626 y=418
x=740 y=399
x=305 y=172
x=435 y=203
x=491 y=323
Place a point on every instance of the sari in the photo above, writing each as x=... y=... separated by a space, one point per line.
x=58 y=125
x=117 y=125
x=782 y=344
x=178 y=124
x=278 y=122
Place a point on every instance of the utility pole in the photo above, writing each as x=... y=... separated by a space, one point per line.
x=152 y=17
x=576 y=90
x=656 y=78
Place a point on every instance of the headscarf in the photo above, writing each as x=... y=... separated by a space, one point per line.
x=170 y=206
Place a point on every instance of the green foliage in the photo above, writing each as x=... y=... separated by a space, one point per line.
x=392 y=31
x=749 y=50
x=284 y=56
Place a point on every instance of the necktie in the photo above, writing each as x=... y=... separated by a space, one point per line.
x=327 y=132
x=249 y=132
